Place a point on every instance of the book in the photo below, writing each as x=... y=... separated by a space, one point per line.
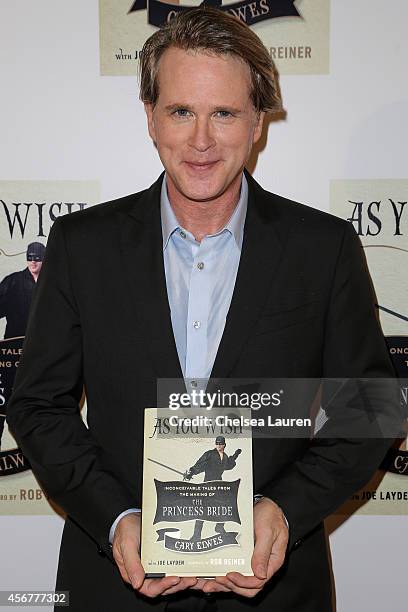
x=197 y=506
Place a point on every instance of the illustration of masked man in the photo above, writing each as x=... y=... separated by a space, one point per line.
x=213 y=463
x=16 y=291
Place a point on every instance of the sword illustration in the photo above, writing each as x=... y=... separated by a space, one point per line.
x=392 y=312
x=168 y=467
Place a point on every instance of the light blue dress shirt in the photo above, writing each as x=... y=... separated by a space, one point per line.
x=200 y=279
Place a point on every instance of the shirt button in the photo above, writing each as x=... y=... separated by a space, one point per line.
x=200 y=265
x=194 y=383
x=182 y=234
x=196 y=324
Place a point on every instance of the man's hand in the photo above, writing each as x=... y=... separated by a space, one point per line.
x=271 y=540
x=125 y=549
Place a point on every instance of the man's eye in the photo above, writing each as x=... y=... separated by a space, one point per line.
x=223 y=114
x=181 y=112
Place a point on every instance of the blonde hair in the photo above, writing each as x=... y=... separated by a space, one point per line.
x=217 y=32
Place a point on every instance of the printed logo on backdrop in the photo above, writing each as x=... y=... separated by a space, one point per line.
x=296 y=32
x=160 y=12
x=378 y=210
x=27 y=211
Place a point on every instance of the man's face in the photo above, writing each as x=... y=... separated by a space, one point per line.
x=204 y=123
x=220 y=447
x=34 y=267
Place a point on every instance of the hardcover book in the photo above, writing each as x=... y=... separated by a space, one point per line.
x=197 y=493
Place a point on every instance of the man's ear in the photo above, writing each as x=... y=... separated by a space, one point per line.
x=258 y=126
x=149 y=108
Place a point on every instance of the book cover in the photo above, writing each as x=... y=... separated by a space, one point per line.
x=197 y=503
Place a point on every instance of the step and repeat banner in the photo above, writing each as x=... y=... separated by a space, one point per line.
x=378 y=210
x=322 y=50
x=297 y=34
x=27 y=211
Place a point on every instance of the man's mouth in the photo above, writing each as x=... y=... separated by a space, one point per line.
x=201 y=166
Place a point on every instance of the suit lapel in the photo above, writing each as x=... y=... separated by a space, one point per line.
x=143 y=267
x=261 y=254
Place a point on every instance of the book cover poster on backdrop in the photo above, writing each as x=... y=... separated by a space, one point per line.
x=27 y=211
x=378 y=210
x=296 y=32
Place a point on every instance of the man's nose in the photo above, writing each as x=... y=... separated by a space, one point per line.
x=201 y=137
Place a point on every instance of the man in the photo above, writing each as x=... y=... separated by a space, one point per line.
x=16 y=291
x=213 y=463
x=204 y=273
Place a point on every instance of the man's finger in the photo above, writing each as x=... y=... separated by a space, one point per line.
x=128 y=563
x=185 y=583
x=227 y=583
x=271 y=538
x=246 y=582
x=122 y=570
x=215 y=587
x=153 y=587
x=125 y=550
x=262 y=552
x=201 y=582
x=131 y=562
x=278 y=553
x=210 y=586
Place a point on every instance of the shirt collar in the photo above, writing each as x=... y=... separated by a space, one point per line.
x=235 y=225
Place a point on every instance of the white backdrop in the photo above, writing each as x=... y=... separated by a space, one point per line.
x=60 y=120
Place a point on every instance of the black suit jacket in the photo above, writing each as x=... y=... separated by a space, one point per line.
x=302 y=307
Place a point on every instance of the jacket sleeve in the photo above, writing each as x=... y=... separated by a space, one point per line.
x=334 y=466
x=230 y=463
x=200 y=464
x=44 y=410
x=4 y=290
